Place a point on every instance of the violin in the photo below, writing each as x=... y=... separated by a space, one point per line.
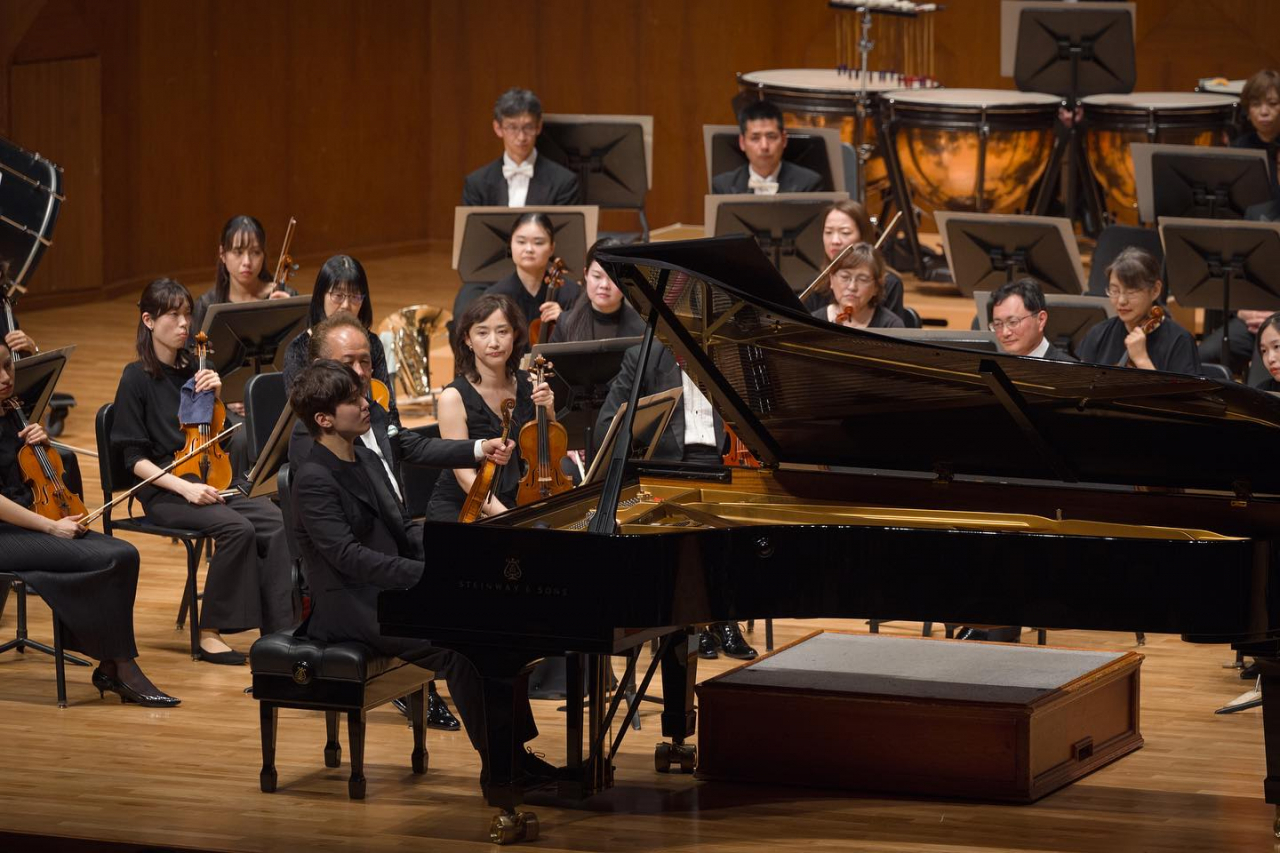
x=544 y=443
x=285 y=267
x=211 y=465
x=844 y=315
x=539 y=332
x=486 y=475
x=1153 y=319
x=43 y=471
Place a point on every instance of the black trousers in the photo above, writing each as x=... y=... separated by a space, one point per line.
x=89 y=582
x=249 y=584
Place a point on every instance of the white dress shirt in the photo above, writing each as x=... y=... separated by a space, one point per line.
x=763 y=186
x=1039 y=351
x=369 y=441
x=518 y=177
x=699 y=424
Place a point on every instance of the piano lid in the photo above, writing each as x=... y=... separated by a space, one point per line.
x=798 y=390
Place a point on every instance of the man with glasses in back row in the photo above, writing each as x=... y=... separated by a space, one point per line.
x=520 y=177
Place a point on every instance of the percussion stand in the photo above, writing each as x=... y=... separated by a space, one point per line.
x=862 y=103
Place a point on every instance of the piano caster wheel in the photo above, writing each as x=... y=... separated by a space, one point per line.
x=683 y=755
x=513 y=827
x=267 y=781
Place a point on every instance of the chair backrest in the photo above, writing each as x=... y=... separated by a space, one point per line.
x=1111 y=242
x=1210 y=370
x=111 y=470
x=284 y=495
x=911 y=318
x=264 y=399
x=419 y=481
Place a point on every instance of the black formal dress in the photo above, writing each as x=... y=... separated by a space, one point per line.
x=356 y=541
x=1269 y=384
x=530 y=305
x=551 y=184
x=484 y=422
x=891 y=299
x=298 y=355
x=249 y=584
x=883 y=318
x=89 y=582
x=791 y=179
x=1172 y=348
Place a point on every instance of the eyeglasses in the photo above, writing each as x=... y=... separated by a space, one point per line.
x=1011 y=324
x=860 y=280
x=348 y=297
x=1126 y=293
x=520 y=129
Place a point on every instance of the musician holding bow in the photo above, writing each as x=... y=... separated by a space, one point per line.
x=533 y=245
x=88 y=579
x=249 y=582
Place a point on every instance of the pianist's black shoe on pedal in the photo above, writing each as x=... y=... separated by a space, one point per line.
x=438 y=714
x=731 y=641
x=707 y=645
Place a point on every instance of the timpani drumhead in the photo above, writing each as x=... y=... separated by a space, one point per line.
x=975 y=98
x=1221 y=86
x=1161 y=101
x=827 y=80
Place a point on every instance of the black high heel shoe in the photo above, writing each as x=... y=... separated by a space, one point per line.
x=129 y=696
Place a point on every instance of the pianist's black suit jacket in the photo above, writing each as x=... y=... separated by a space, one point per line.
x=791 y=179
x=551 y=184
x=354 y=541
x=661 y=373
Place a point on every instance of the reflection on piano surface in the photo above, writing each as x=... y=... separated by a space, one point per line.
x=901 y=481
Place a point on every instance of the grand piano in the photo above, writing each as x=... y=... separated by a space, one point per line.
x=900 y=480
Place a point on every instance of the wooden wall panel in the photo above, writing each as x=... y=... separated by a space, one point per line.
x=361 y=119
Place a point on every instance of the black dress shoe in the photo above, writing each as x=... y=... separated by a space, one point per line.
x=1249 y=672
x=537 y=773
x=230 y=657
x=732 y=642
x=438 y=714
x=129 y=696
x=707 y=646
x=971 y=634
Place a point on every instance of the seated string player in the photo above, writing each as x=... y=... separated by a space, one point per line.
x=695 y=434
x=857 y=286
x=1017 y=315
x=532 y=285
x=762 y=138
x=846 y=221
x=1139 y=335
x=520 y=177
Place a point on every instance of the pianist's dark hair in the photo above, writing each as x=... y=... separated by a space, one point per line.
x=344 y=270
x=1027 y=289
x=160 y=297
x=320 y=388
x=1272 y=322
x=757 y=110
x=464 y=360
x=1136 y=268
x=864 y=255
x=515 y=102
x=239 y=231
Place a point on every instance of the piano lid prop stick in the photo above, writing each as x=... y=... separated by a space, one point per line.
x=822 y=275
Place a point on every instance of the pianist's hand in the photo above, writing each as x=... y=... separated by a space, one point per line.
x=1136 y=344
x=497 y=451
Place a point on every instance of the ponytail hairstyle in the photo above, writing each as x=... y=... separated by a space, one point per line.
x=160 y=297
x=237 y=233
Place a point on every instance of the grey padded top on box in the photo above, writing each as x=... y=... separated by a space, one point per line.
x=919 y=668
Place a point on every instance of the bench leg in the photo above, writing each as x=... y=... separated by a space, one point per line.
x=418 y=720
x=267 y=719
x=355 y=733
x=332 y=749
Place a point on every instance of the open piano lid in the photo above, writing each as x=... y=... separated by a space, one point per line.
x=801 y=391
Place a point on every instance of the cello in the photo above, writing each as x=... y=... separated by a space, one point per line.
x=539 y=332
x=487 y=475
x=543 y=442
x=208 y=462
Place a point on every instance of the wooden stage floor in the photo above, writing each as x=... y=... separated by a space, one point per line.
x=187 y=778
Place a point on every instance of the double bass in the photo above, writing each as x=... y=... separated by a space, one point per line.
x=543 y=443
x=487 y=475
x=209 y=463
x=540 y=332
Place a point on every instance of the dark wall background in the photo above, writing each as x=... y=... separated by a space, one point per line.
x=361 y=118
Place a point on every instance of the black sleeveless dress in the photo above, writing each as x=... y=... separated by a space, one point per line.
x=484 y=422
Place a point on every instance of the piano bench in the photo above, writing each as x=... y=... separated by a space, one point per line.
x=348 y=677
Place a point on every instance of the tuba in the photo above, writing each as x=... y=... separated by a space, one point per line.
x=407 y=336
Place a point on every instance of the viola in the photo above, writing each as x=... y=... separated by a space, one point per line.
x=543 y=442
x=285 y=267
x=43 y=473
x=739 y=456
x=211 y=464
x=539 y=332
x=486 y=475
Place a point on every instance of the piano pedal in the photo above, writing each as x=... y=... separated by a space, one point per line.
x=1275 y=827
x=512 y=827
x=666 y=755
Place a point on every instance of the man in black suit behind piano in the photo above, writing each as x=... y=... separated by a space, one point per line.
x=762 y=138
x=356 y=541
x=520 y=177
x=695 y=434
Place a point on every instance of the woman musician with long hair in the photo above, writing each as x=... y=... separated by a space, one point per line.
x=249 y=583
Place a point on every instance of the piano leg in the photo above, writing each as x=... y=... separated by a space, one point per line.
x=1269 y=668
x=679 y=719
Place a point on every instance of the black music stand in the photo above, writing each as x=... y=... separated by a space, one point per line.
x=35 y=378
x=1070 y=317
x=815 y=148
x=612 y=155
x=248 y=338
x=482 y=238
x=583 y=373
x=652 y=413
x=1075 y=50
x=261 y=479
x=1198 y=182
x=786 y=226
x=986 y=250
x=1212 y=263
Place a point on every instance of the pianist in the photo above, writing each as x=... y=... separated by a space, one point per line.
x=695 y=434
x=355 y=541
x=1017 y=315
